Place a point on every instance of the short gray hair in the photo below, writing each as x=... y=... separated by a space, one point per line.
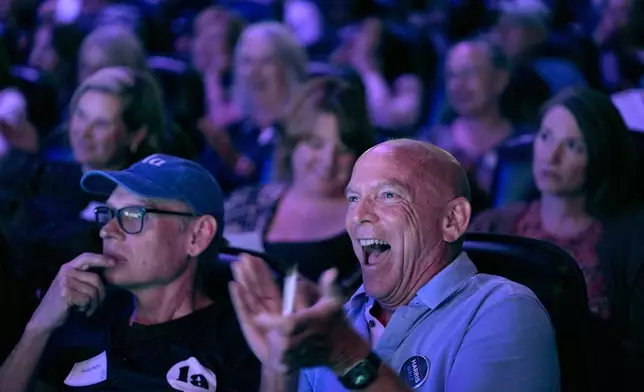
x=287 y=50
x=112 y=46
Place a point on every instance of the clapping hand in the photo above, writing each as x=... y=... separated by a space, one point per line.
x=315 y=334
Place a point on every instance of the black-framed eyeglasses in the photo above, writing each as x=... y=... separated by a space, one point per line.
x=130 y=218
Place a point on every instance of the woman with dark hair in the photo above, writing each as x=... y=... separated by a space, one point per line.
x=299 y=217
x=582 y=167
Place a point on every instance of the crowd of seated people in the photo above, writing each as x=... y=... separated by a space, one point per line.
x=279 y=99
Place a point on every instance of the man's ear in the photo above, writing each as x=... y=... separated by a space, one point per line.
x=456 y=219
x=202 y=233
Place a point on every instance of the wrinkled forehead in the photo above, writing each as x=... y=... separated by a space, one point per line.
x=384 y=165
x=415 y=171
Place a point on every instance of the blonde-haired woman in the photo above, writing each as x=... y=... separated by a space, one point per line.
x=116 y=118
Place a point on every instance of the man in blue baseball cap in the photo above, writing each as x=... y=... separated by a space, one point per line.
x=161 y=215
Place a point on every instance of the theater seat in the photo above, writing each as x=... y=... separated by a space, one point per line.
x=554 y=276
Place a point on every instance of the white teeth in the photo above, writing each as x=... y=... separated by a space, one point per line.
x=370 y=242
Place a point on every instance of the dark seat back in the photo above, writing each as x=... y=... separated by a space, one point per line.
x=555 y=278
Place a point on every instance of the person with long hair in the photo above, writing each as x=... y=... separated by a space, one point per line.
x=588 y=205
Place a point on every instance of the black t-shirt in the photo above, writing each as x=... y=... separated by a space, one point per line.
x=203 y=351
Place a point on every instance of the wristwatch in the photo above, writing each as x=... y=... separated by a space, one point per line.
x=362 y=374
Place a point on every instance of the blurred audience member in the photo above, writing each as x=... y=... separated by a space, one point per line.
x=17 y=114
x=394 y=88
x=212 y=57
x=476 y=75
x=620 y=36
x=522 y=27
x=55 y=52
x=116 y=118
x=269 y=68
x=582 y=167
x=299 y=218
x=110 y=46
x=614 y=17
x=309 y=24
x=106 y=46
x=16 y=131
x=522 y=31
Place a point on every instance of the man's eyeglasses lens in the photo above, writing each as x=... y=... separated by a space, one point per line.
x=129 y=218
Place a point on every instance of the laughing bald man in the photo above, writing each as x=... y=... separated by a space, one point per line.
x=424 y=319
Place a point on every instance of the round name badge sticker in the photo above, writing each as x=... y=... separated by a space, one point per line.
x=415 y=371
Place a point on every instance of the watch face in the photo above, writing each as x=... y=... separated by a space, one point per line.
x=362 y=374
x=361 y=380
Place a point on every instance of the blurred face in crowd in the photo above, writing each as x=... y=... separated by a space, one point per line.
x=155 y=256
x=560 y=157
x=321 y=162
x=401 y=217
x=473 y=84
x=517 y=38
x=90 y=60
x=210 y=50
x=260 y=70
x=616 y=13
x=96 y=131
x=43 y=55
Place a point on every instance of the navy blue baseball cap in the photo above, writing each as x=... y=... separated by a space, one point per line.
x=164 y=177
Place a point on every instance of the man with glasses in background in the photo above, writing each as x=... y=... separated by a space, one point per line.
x=162 y=214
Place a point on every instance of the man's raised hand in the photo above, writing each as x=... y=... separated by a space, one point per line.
x=75 y=288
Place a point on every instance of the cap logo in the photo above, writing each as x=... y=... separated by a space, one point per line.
x=154 y=161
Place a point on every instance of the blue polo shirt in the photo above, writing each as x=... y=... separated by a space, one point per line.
x=463 y=332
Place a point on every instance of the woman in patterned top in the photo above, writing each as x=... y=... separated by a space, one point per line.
x=581 y=165
x=299 y=217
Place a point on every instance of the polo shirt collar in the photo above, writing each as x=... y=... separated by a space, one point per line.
x=434 y=292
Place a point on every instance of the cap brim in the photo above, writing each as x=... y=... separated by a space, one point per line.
x=104 y=183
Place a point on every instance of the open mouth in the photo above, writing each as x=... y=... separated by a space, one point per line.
x=374 y=250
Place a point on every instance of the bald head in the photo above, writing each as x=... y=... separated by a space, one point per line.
x=430 y=165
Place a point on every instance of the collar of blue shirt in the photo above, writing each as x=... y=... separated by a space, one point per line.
x=436 y=291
